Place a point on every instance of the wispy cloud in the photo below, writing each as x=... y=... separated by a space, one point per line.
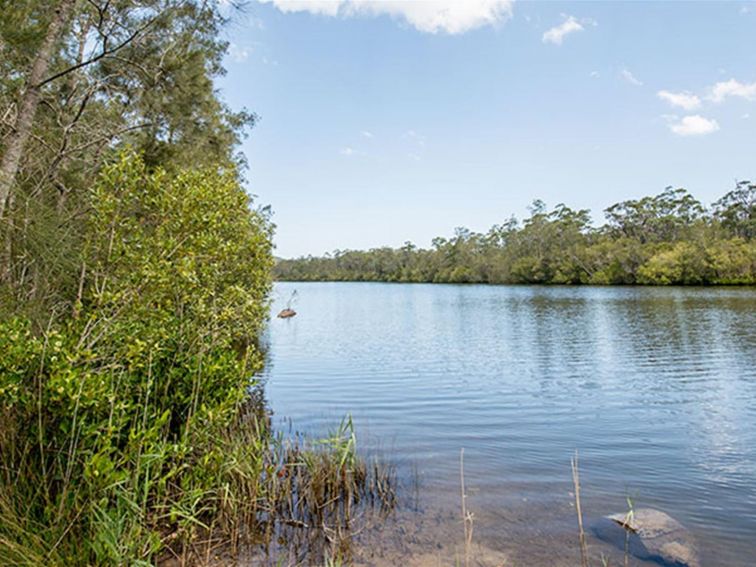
x=419 y=139
x=692 y=125
x=367 y=134
x=570 y=25
x=416 y=146
x=685 y=100
x=238 y=53
x=630 y=78
x=732 y=88
x=347 y=151
x=429 y=16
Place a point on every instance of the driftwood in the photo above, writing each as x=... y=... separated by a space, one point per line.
x=288 y=312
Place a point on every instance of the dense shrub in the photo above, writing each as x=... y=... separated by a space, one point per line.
x=112 y=415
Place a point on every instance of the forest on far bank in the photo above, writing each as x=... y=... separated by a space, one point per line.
x=667 y=239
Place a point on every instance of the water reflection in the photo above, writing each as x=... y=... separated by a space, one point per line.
x=656 y=387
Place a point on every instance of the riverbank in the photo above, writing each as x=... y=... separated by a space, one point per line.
x=668 y=239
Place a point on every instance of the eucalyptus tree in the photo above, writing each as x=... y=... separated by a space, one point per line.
x=82 y=79
x=668 y=238
x=666 y=216
x=737 y=210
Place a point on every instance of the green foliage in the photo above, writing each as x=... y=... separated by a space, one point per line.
x=112 y=418
x=737 y=210
x=134 y=74
x=668 y=239
x=133 y=291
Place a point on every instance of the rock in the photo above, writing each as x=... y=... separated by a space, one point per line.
x=651 y=535
x=286 y=313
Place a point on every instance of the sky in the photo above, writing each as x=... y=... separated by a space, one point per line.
x=394 y=121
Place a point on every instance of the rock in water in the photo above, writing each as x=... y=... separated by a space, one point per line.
x=286 y=313
x=651 y=535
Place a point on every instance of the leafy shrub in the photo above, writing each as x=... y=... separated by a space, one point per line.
x=112 y=413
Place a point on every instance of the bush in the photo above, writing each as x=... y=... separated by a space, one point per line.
x=111 y=415
x=733 y=261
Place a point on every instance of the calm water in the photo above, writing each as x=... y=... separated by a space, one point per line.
x=656 y=388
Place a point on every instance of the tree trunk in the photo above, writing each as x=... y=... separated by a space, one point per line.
x=27 y=107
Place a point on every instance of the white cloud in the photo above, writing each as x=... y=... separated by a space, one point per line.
x=323 y=7
x=725 y=89
x=630 y=78
x=238 y=53
x=693 y=125
x=595 y=74
x=685 y=100
x=557 y=34
x=430 y=16
x=367 y=134
x=419 y=139
x=347 y=151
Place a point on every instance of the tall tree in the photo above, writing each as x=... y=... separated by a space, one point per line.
x=27 y=106
x=137 y=73
x=737 y=210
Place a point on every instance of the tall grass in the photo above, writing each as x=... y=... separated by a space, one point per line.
x=253 y=490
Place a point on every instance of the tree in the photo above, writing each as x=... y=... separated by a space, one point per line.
x=118 y=73
x=737 y=210
x=29 y=100
x=652 y=219
x=665 y=239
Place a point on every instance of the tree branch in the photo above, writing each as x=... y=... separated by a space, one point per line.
x=104 y=53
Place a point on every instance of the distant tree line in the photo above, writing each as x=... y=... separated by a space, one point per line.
x=668 y=239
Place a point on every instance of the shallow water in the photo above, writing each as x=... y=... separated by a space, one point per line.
x=655 y=387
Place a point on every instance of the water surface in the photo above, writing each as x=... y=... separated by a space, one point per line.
x=655 y=387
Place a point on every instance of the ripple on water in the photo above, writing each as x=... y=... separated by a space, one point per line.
x=655 y=387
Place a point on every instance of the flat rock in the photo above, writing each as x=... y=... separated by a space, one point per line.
x=651 y=535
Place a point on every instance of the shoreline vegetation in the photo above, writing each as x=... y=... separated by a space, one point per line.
x=135 y=280
x=135 y=273
x=130 y=434
x=667 y=239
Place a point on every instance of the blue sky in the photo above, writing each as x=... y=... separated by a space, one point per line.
x=391 y=121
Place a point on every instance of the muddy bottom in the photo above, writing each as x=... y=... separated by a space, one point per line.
x=532 y=535
x=435 y=538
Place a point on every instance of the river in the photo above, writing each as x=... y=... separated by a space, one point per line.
x=654 y=387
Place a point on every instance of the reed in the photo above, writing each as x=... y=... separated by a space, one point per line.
x=579 y=510
x=308 y=497
x=467 y=517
